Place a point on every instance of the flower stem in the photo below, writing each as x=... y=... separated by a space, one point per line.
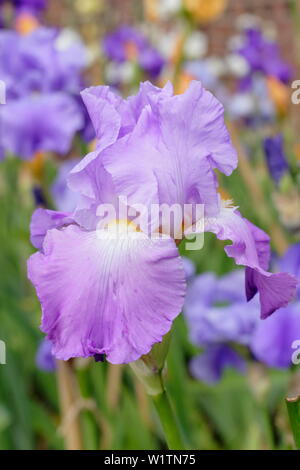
x=168 y=421
x=69 y=398
x=149 y=369
x=293 y=406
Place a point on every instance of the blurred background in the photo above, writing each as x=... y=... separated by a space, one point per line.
x=228 y=372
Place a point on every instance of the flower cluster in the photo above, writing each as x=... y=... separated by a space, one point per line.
x=42 y=75
x=128 y=44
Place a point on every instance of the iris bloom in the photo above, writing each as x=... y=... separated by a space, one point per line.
x=217 y=314
x=263 y=56
x=42 y=74
x=118 y=296
x=127 y=43
x=46 y=122
x=275 y=156
x=41 y=62
x=44 y=358
x=30 y=7
x=64 y=199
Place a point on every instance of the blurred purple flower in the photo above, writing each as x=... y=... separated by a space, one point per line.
x=44 y=357
x=273 y=339
x=127 y=43
x=217 y=311
x=217 y=314
x=32 y=5
x=253 y=105
x=275 y=157
x=263 y=56
x=42 y=61
x=118 y=296
x=210 y=366
x=64 y=198
x=290 y=262
x=46 y=122
x=189 y=267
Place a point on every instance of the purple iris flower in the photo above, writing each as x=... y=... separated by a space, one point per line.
x=64 y=198
x=263 y=56
x=45 y=122
x=189 y=268
x=275 y=157
x=31 y=5
x=210 y=366
x=118 y=296
x=44 y=357
x=42 y=73
x=128 y=43
x=218 y=314
x=217 y=310
x=40 y=62
x=273 y=339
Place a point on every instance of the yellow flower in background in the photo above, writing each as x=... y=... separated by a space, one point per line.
x=151 y=8
x=279 y=94
x=183 y=82
x=26 y=23
x=205 y=10
x=156 y=10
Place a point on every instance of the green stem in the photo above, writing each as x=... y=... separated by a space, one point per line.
x=168 y=421
x=150 y=369
x=293 y=406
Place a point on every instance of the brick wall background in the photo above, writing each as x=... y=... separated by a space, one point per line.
x=94 y=17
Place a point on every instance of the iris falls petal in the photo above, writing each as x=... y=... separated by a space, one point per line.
x=104 y=296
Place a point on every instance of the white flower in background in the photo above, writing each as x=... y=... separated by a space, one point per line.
x=196 y=45
x=237 y=65
x=119 y=73
x=168 y=7
x=241 y=105
x=216 y=66
x=167 y=43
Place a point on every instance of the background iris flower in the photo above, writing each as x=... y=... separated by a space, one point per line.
x=127 y=43
x=219 y=318
x=41 y=71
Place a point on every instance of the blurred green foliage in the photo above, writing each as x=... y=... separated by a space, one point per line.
x=242 y=412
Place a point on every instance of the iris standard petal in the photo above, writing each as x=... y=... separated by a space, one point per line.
x=112 y=118
x=121 y=296
x=162 y=160
x=168 y=145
